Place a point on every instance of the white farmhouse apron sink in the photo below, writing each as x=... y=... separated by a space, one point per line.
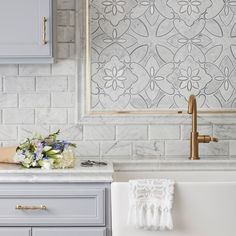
x=204 y=203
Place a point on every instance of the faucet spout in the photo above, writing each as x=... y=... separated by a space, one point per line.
x=192 y=109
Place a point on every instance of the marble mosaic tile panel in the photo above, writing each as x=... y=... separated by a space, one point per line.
x=153 y=54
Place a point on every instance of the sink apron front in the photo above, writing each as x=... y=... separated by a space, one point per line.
x=201 y=208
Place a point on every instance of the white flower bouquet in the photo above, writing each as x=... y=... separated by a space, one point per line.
x=46 y=152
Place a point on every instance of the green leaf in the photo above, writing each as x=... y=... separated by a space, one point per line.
x=53 y=136
x=73 y=145
x=52 y=152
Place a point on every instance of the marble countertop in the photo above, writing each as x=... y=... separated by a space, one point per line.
x=16 y=173
x=13 y=173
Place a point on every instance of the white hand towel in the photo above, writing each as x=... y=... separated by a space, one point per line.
x=150 y=204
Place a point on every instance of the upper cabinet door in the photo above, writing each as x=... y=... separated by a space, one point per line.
x=26 y=31
x=15 y=231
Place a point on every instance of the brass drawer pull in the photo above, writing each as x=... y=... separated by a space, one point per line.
x=44 y=34
x=21 y=207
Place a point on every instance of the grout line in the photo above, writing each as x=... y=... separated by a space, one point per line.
x=35 y=89
x=2 y=116
x=3 y=83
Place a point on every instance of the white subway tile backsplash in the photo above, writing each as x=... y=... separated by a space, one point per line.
x=177 y=148
x=88 y=149
x=66 y=4
x=52 y=83
x=1 y=84
x=66 y=18
x=64 y=67
x=20 y=84
x=163 y=132
x=34 y=69
x=8 y=132
x=8 y=100
x=66 y=50
x=132 y=132
x=225 y=132
x=51 y=116
x=63 y=50
x=148 y=149
x=72 y=116
x=232 y=148
x=18 y=116
x=63 y=99
x=202 y=129
x=34 y=100
x=116 y=149
x=215 y=150
x=65 y=34
x=72 y=51
x=26 y=131
x=9 y=143
x=72 y=84
x=1 y=116
x=99 y=132
x=6 y=70
x=69 y=132
x=182 y=148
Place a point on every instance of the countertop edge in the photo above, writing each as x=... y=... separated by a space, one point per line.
x=10 y=173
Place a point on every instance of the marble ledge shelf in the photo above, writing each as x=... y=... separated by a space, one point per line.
x=174 y=165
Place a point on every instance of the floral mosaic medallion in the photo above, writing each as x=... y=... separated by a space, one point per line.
x=152 y=54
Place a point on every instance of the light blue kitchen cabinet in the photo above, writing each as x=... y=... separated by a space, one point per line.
x=26 y=31
x=63 y=206
x=55 y=209
x=69 y=232
x=6 y=231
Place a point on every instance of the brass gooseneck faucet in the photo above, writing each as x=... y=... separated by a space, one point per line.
x=195 y=138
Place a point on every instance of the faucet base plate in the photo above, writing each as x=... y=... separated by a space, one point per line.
x=194 y=158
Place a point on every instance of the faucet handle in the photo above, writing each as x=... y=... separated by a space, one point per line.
x=206 y=139
x=213 y=139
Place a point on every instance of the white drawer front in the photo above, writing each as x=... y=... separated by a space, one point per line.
x=66 y=206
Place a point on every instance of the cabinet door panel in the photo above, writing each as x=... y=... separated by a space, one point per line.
x=6 y=231
x=22 y=28
x=76 y=205
x=69 y=231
